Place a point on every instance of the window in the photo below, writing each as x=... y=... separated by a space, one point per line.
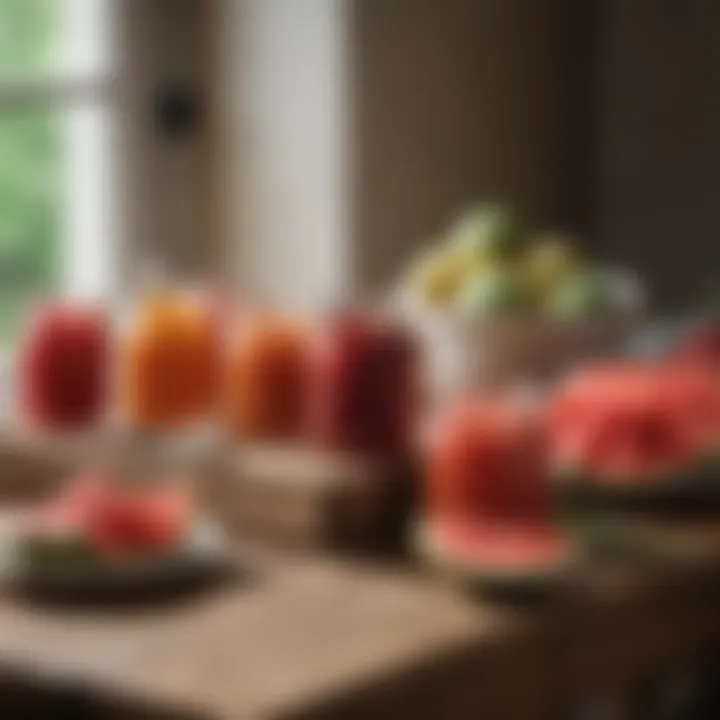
x=57 y=62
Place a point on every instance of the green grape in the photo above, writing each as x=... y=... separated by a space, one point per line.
x=489 y=233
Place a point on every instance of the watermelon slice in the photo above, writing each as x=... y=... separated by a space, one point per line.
x=502 y=554
x=95 y=519
x=53 y=536
x=139 y=521
x=635 y=426
x=693 y=391
x=700 y=347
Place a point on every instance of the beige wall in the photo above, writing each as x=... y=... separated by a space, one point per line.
x=455 y=101
x=349 y=131
x=658 y=141
x=165 y=182
x=285 y=109
x=354 y=129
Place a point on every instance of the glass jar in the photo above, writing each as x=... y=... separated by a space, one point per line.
x=265 y=377
x=487 y=463
x=361 y=385
x=170 y=364
x=63 y=366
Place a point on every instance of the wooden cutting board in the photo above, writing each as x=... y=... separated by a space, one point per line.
x=312 y=498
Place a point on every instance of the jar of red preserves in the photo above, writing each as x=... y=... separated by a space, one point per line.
x=361 y=387
x=63 y=366
x=264 y=380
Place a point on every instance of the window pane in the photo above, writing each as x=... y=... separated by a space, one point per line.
x=87 y=243
x=54 y=207
x=30 y=150
x=54 y=37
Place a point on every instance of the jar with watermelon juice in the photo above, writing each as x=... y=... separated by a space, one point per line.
x=487 y=462
x=486 y=508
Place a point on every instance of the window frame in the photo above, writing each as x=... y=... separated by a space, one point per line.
x=77 y=89
x=154 y=42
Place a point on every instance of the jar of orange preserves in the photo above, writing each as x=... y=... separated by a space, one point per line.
x=265 y=377
x=171 y=360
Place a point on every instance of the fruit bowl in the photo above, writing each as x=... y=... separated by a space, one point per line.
x=495 y=300
x=464 y=354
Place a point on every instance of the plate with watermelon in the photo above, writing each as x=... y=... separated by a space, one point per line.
x=100 y=537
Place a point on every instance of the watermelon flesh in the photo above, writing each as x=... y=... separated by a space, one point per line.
x=498 y=551
x=635 y=423
x=702 y=347
x=695 y=393
x=506 y=545
x=110 y=519
x=138 y=521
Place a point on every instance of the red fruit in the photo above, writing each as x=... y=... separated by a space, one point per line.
x=73 y=506
x=587 y=392
x=636 y=444
x=630 y=424
x=694 y=393
x=139 y=520
x=86 y=491
x=702 y=347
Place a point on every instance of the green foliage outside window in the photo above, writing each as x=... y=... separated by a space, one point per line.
x=30 y=162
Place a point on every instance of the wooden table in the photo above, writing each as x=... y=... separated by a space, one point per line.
x=304 y=636
x=301 y=635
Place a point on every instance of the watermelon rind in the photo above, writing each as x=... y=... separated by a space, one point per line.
x=667 y=544
x=202 y=552
x=698 y=479
x=480 y=575
x=42 y=550
x=579 y=476
x=643 y=538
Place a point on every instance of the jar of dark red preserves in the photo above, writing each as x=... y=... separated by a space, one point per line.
x=361 y=389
